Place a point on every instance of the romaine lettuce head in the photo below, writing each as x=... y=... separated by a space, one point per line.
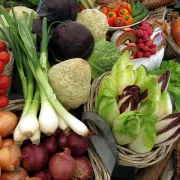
x=146 y=139
x=104 y=56
x=108 y=88
x=151 y=83
x=126 y=127
x=164 y=106
x=108 y=109
x=140 y=73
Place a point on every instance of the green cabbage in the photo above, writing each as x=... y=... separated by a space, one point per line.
x=126 y=127
x=103 y=57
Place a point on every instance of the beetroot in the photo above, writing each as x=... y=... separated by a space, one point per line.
x=71 y=39
x=139 y=54
x=58 y=10
x=147 y=54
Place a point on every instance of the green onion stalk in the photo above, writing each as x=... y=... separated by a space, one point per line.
x=52 y=113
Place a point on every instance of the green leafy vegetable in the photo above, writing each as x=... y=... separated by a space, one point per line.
x=103 y=57
x=174 y=84
x=126 y=127
x=108 y=109
x=146 y=139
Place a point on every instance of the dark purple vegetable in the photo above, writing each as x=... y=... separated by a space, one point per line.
x=71 y=40
x=58 y=10
x=130 y=98
x=163 y=81
x=43 y=174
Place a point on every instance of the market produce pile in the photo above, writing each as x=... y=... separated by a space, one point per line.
x=59 y=48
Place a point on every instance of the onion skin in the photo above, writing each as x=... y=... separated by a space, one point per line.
x=43 y=175
x=84 y=170
x=78 y=144
x=34 y=157
x=7 y=142
x=15 y=175
x=10 y=158
x=62 y=138
x=1 y=145
x=8 y=122
x=62 y=166
x=32 y=178
x=50 y=144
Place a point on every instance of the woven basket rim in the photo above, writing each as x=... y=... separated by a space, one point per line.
x=126 y=156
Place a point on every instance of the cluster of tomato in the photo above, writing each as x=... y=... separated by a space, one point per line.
x=5 y=81
x=118 y=14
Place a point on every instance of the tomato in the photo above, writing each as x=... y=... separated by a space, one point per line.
x=123 y=12
x=105 y=10
x=4 y=101
x=3 y=91
x=118 y=2
x=113 y=8
x=110 y=21
x=3 y=46
x=5 y=81
x=4 y=57
x=123 y=5
x=2 y=67
x=119 y=22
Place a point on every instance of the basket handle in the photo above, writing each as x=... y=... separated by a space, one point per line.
x=103 y=142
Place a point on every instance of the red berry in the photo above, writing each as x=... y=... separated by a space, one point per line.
x=147 y=54
x=143 y=22
x=139 y=54
x=140 y=40
x=144 y=27
x=140 y=45
x=150 y=31
x=139 y=33
x=145 y=48
x=153 y=51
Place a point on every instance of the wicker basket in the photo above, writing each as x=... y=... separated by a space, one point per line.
x=100 y=173
x=126 y=156
x=172 y=51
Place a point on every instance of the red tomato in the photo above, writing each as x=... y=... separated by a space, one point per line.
x=5 y=81
x=4 y=57
x=105 y=10
x=2 y=67
x=3 y=46
x=4 y=101
x=123 y=5
x=113 y=8
x=110 y=21
x=118 y=2
x=3 y=92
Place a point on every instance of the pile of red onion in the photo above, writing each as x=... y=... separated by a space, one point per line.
x=47 y=161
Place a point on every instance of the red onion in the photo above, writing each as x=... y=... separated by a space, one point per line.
x=43 y=175
x=50 y=143
x=34 y=157
x=58 y=130
x=62 y=165
x=62 y=138
x=84 y=170
x=78 y=144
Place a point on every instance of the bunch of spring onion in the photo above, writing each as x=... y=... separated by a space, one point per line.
x=38 y=94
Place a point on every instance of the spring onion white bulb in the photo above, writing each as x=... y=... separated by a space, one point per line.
x=35 y=139
x=62 y=124
x=18 y=137
x=48 y=119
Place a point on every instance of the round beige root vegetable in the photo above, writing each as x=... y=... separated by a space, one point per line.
x=95 y=21
x=71 y=82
